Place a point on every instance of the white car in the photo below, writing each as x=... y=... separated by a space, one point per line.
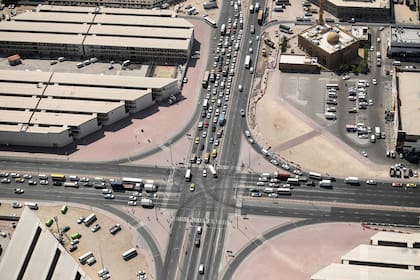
x=43 y=182
x=346 y=77
x=251 y=70
x=132 y=203
x=109 y=196
x=371 y=182
x=273 y=195
x=374 y=82
x=19 y=191
x=132 y=198
x=204 y=173
x=285 y=166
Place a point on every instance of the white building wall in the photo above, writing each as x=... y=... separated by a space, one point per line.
x=87 y=128
x=143 y=102
x=35 y=139
x=116 y=115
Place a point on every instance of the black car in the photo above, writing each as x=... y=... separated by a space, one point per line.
x=73 y=248
x=197 y=242
x=66 y=228
x=310 y=183
x=203 y=114
x=202 y=147
x=57 y=183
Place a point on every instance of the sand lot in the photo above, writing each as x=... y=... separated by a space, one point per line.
x=299 y=253
x=296 y=138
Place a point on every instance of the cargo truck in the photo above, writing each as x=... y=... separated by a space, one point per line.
x=260 y=16
x=150 y=187
x=378 y=132
x=146 y=203
x=352 y=180
x=325 y=183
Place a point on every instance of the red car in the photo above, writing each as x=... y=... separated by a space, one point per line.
x=397 y=184
x=206 y=124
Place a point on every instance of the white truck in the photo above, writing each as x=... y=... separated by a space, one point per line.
x=352 y=180
x=150 y=187
x=146 y=202
x=325 y=183
x=378 y=132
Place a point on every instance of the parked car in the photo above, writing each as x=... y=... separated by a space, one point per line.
x=95 y=228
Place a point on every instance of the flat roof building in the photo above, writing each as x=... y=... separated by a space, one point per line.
x=53 y=109
x=404 y=42
x=391 y=257
x=298 y=63
x=364 y=10
x=358 y=272
x=395 y=239
x=383 y=256
x=105 y=33
x=331 y=45
x=406 y=98
x=34 y=253
x=138 y=4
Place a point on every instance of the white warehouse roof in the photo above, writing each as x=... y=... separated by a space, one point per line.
x=360 y=272
x=383 y=255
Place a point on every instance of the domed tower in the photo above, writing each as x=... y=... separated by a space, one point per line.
x=333 y=38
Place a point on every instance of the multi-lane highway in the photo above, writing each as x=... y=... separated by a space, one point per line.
x=214 y=199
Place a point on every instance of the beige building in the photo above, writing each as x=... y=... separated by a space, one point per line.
x=331 y=45
x=406 y=98
x=54 y=109
x=34 y=253
x=139 y=4
x=298 y=63
x=105 y=33
x=363 y=10
x=391 y=256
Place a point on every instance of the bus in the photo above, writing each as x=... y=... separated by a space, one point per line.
x=32 y=205
x=335 y=86
x=293 y=181
x=213 y=171
x=315 y=175
x=206 y=78
x=129 y=254
x=71 y=184
x=223 y=29
x=205 y=104
x=284 y=191
x=90 y=219
x=188 y=175
x=211 y=22
x=129 y=180
x=83 y=258
x=247 y=62
x=58 y=177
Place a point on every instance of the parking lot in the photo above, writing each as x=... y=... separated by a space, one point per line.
x=106 y=251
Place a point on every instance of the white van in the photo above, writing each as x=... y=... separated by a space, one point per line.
x=201 y=269
x=200 y=125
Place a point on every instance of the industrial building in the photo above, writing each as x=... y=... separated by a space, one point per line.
x=406 y=97
x=391 y=256
x=331 y=45
x=298 y=63
x=363 y=10
x=105 y=33
x=404 y=42
x=137 y=4
x=34 y=253
x=54 y=109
